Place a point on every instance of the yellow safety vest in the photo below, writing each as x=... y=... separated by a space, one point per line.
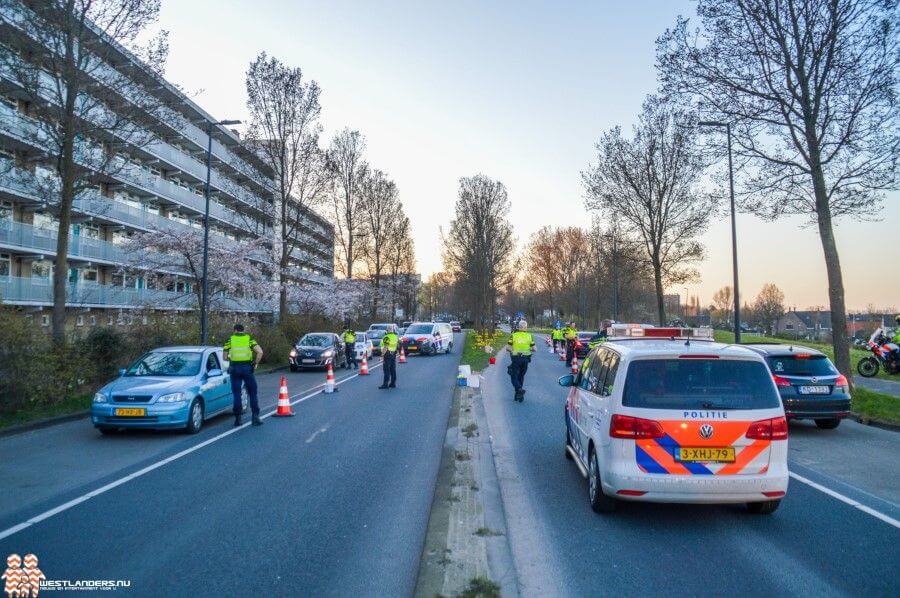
x=240 y=348
x=349 y=337
x=570 y=333
x=389 y=341
x=521 y=343
x=556 y=334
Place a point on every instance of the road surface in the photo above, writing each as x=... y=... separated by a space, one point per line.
x=333 y=501
x=815 y=544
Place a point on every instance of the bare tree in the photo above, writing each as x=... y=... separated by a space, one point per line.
x=650 y=183
x=768 y=307
x=723 y=301
x=82 y=99
x=380 y=211
x=810 y=89
x=345 y=158
x=284 y=111
x=478 y=250
x=401 y=265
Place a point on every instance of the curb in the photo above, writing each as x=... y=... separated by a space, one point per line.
x=875 y=422
x=44 y=423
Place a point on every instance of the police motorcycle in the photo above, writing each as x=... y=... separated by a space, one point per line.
x=885 y=354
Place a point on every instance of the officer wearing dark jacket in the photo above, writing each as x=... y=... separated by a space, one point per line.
x=390 y=342
x=349 y=339
x=243 y=354
x=521 y=347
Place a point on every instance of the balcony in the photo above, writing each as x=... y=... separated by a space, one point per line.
x=39 y=292
x=21 y=236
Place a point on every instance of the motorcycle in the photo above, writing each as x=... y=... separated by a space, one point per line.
x=885 y=355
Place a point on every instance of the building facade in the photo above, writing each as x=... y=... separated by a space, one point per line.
x=157 y=184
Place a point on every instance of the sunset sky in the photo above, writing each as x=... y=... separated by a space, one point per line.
x=519 y=91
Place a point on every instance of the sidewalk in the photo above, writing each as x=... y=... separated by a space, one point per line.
x=888 y=387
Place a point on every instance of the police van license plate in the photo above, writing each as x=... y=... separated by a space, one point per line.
x=814 y=390
x=131 y=412
x=705 y=454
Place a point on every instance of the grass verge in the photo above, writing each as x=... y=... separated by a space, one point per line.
x=37 y=412
x=876 y=405
x=725 y=336
x=474 y=354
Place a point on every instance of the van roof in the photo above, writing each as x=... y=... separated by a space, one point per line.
x=639 y=347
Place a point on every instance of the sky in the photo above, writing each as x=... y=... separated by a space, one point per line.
x=519 y=91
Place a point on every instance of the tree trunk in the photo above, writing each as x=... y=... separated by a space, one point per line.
x=660 y=298
x=66 y=169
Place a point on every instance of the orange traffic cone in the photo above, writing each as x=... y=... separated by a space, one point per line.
x=364 y=368
x=402 y=356
x=329 y=380
x=574 y=364
x=284 y=403
x=562 y=354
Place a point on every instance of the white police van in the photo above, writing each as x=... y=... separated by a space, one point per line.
x=668 y=415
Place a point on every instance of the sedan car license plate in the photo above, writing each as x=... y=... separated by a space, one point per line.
x=705 y=453
x=131 y=412
x=309 y=361
x=814 y=390
x=413 y=347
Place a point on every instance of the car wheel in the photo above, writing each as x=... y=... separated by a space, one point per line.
x=828 y=424
x=766 y=507
x=600 y=503
x=449 y=348
x=195 y=417
x=107 y=431
x=867 y=367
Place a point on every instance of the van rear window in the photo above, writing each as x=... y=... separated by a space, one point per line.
x=699 y=384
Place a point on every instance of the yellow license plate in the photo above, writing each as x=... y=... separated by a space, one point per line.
x=706 y=453
x=131 y=412
x=413 y=347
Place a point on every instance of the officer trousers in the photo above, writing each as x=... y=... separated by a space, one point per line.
x=350 y=350
x=390 y=368
x=570 y=351
x=242 y=375
x=517 y=370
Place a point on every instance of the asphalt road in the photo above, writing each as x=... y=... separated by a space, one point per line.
x=815 y=544
x=333 y=501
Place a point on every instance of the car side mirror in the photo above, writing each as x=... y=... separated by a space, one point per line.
x=567 y=380
x=214 y=373
x=122 y=372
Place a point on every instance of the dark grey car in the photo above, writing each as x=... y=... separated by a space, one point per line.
x=809 y=384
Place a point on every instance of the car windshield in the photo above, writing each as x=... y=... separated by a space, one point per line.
x=699 y=384
x=360 y=337
x=384 y=327
x=586 y=336
x=167 y=363
x=420 y=329
x=315 y=340
x=802 y=365
x=454 y=323
x=376 y=333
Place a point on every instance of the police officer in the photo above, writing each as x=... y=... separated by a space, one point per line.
x=602 y=334
x=570 y=334
x=557 y=336
x=350 y=348
x=521 y=347
x=243 y=354
x=389 y=345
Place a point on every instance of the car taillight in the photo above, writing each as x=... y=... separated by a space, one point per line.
x=841 y=381
x=775 y=428
x=779 y=381
x=625 y=426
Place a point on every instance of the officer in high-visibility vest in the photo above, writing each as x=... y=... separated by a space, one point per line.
x=349 y=338
x=602 y=334
x=243 y=354
x=389 y=345
x=557 y=336
x=570 y=334
x=521 y=347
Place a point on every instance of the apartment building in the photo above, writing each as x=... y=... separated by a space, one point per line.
x=157 y=184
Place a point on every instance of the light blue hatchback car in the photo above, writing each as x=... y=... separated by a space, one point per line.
x=170 y=387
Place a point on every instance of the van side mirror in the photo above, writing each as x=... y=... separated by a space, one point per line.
x=567 y=380
x=214 y=373
x=122 y=372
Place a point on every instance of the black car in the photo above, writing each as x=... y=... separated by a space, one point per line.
x=583 y=343
x=809 y=384
x=456 y=326
x=317 y=350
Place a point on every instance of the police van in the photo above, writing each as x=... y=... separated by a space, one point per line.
x=667 y=415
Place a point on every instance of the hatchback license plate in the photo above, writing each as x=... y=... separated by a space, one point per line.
x=131 y=412
x=715 y=454
x=814 y=390
x=413 y=347
x=309 y=361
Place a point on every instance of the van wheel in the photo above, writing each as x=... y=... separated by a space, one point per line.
x=449 y=348
x=766 y=507
x=195 y=417
x=600 y=503
x=828 y=424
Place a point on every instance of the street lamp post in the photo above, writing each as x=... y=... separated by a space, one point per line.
x=204 y=296
x=734 y=259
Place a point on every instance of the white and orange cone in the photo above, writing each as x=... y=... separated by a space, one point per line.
x=574 y=364
x=402 y=356
x=284 y=402
x=364 y=368
x=562 y=354
x=329 y=380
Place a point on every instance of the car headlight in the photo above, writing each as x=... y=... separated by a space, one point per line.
x=327 y=353
x=293 y=352
x=99 y=397
x=174 y=397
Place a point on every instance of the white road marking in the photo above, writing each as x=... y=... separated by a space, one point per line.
x=101 y=490
x=846 y=499
x=321 y=430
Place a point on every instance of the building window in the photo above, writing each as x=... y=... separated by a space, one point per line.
x=41 y=269
x=109 y=320
x=93 y=320
x=144 y=320
x=79 y=321
x=45 y=320
x=5 y=264
x=788 y=326
x=29 y=319
x=89 y=275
